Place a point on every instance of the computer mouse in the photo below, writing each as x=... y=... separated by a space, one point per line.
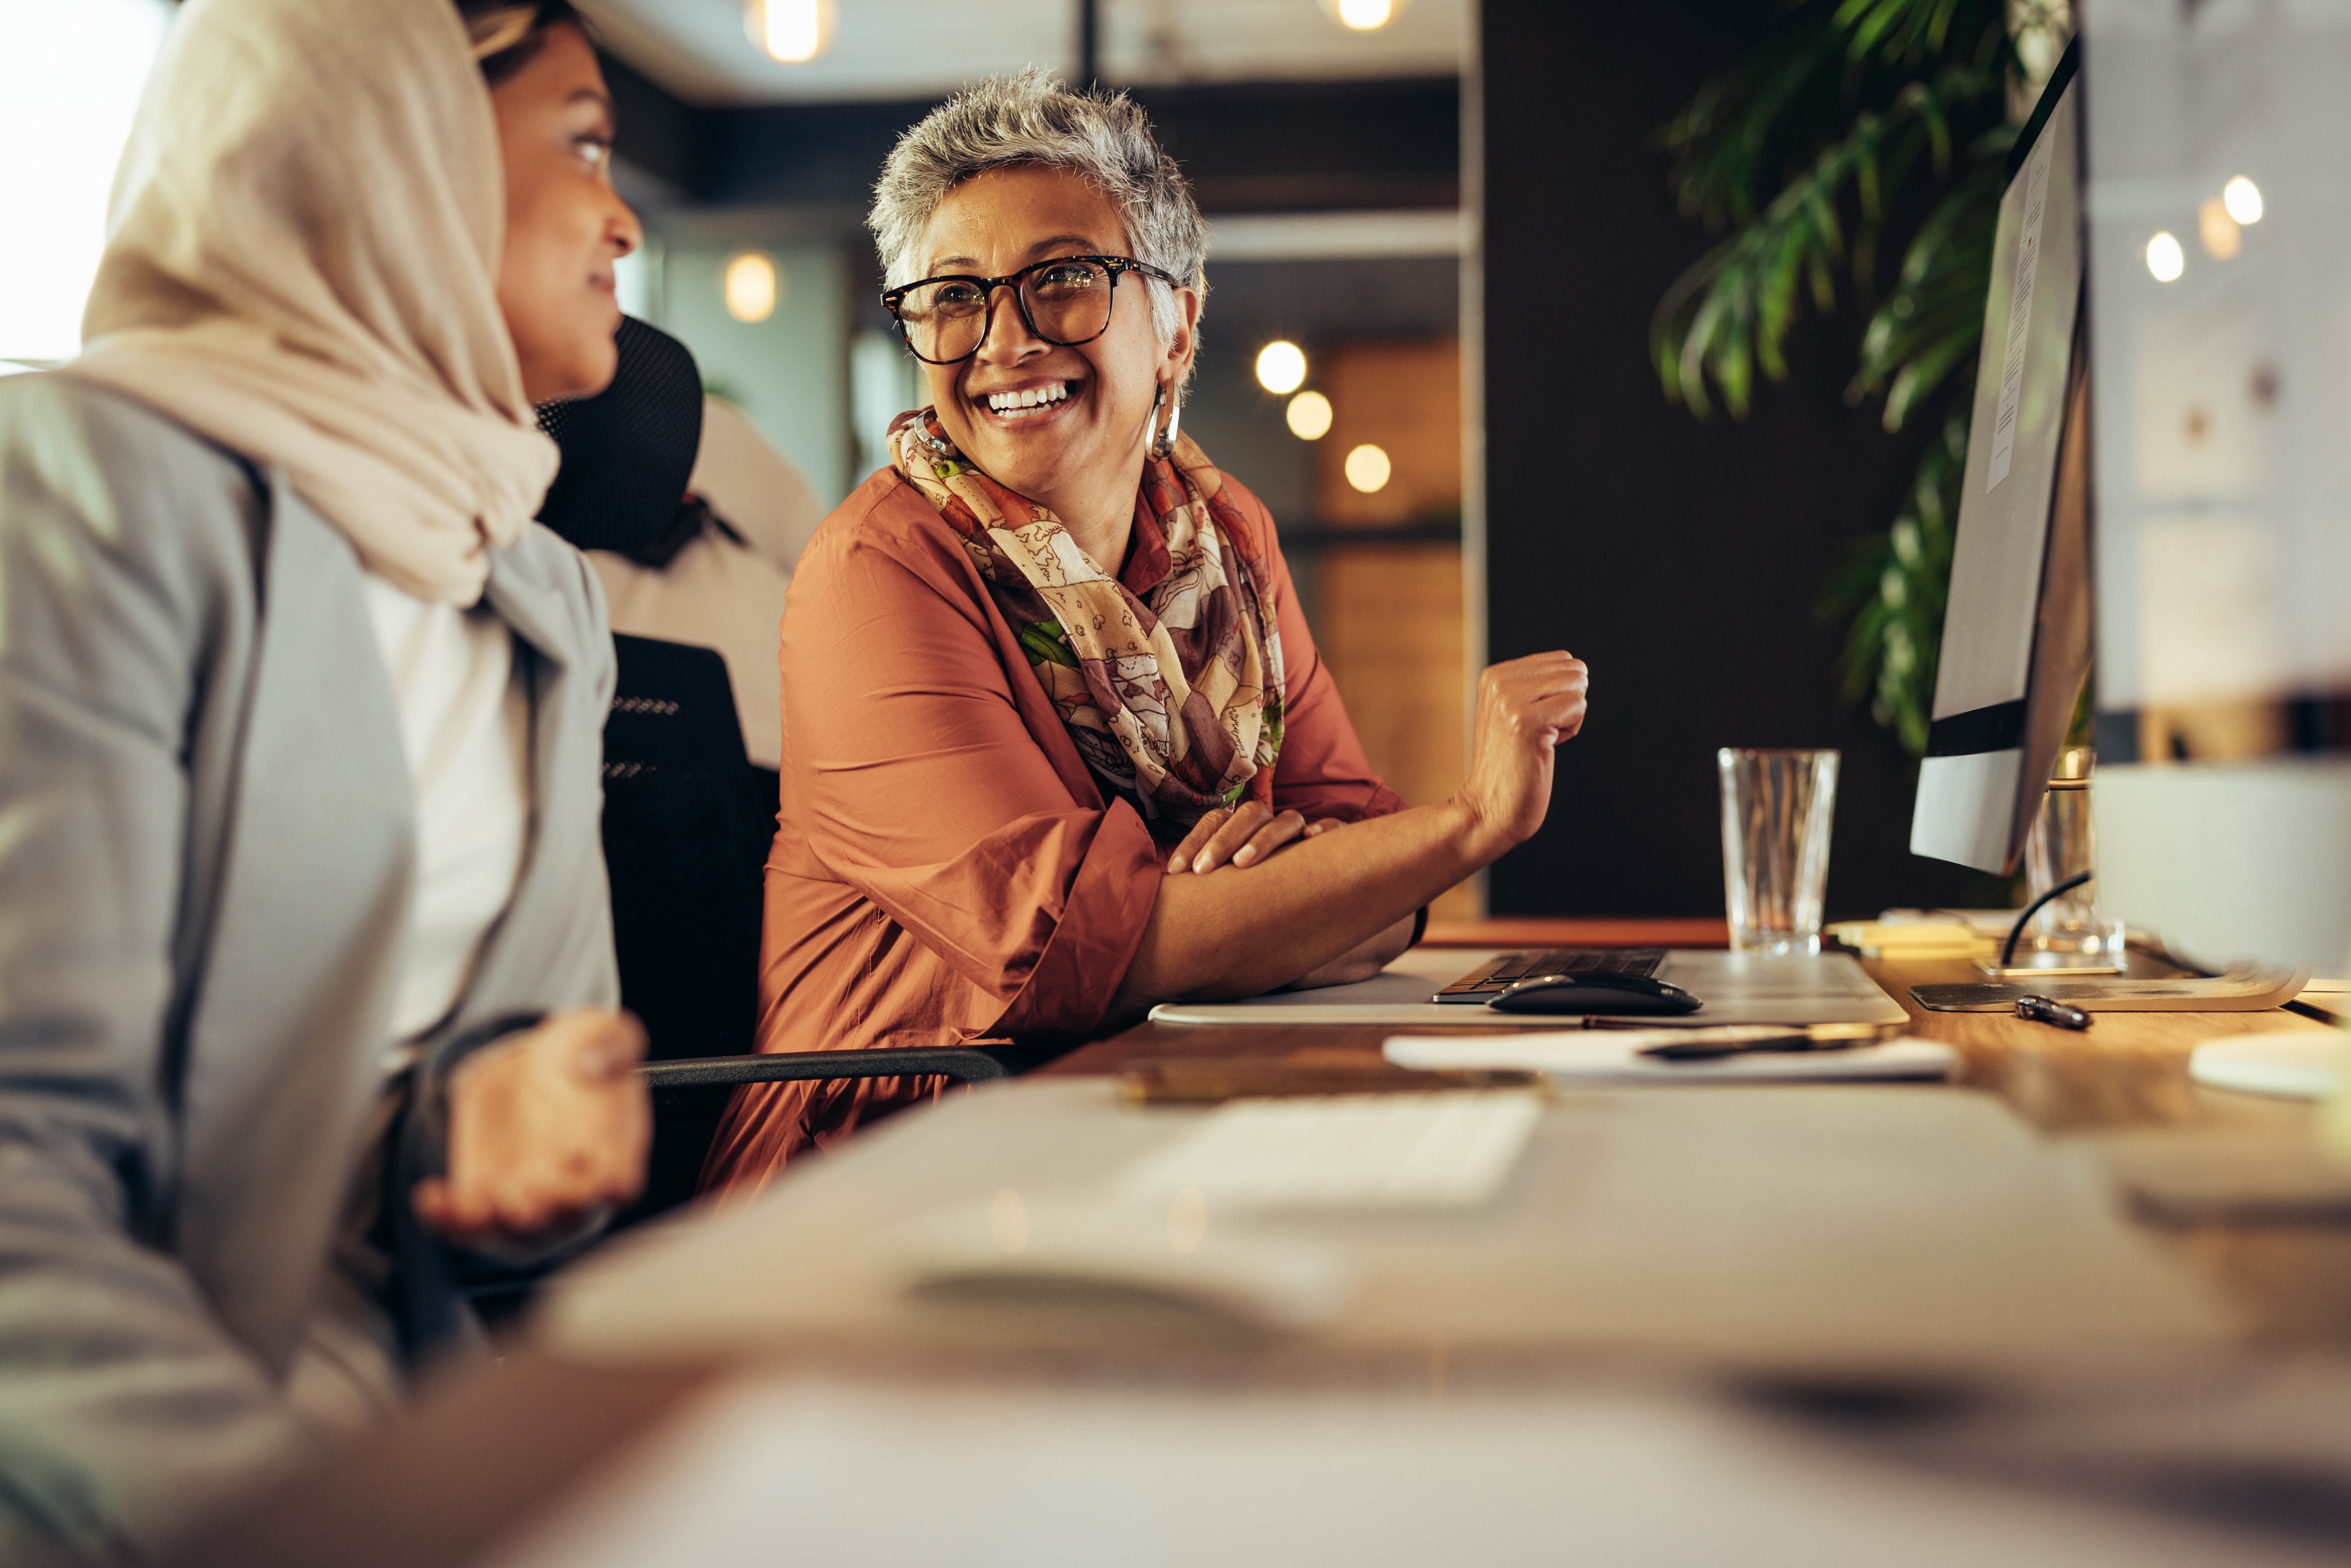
x=1619 y=995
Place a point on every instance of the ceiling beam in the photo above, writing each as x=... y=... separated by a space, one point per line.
x=1089 y=42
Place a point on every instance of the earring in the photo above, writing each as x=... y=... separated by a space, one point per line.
x=923 y=433
x=1164 y=444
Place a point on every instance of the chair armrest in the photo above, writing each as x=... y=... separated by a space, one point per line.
x=964 y=1065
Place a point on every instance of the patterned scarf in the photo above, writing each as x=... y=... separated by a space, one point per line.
x=1176 y=697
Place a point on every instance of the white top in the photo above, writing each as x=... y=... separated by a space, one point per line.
x=465 y=722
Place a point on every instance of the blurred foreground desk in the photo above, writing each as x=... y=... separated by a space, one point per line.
x=2228 y=1178
x=1394 y=1457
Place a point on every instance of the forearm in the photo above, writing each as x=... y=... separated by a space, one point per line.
x=1362 y=961
x=1239 y=932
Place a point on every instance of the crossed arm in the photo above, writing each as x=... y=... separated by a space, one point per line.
x=1234 y=918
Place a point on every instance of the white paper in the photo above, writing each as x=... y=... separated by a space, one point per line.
x=2020 y=313
x=1614 y=1056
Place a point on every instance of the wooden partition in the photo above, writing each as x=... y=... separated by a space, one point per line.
x=1388 y=588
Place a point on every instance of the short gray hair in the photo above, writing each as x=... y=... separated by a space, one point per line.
x=1029 y=117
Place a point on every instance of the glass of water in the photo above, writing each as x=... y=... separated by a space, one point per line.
x=1777 y=807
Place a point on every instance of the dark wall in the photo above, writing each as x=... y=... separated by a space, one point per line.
x=1682 y=560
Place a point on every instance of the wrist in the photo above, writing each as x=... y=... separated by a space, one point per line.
x=482 y=1057
x=1473 y=837
x=493 y=1039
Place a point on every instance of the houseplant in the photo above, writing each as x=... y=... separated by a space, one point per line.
x=1860 y=130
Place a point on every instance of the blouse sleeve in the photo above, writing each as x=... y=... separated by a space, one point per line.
x=1321 y=771
x=926 y=791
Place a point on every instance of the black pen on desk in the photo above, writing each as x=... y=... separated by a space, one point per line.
x=1740 y=1039
x=2047 y=1009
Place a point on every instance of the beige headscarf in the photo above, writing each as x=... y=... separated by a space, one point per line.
x=302 y=266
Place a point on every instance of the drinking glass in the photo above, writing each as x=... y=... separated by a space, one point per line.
x=2060 y=845
x=1777 y=806
x=2068 y=933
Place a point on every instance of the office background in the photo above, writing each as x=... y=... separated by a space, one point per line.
x=1345 y=171
x=1683 y=560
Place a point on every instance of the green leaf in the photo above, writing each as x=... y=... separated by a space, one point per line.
x=1917 y=380
x=1046 y=644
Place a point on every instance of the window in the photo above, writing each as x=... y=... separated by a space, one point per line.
x=70 y=80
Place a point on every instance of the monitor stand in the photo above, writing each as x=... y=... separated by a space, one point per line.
x=2238 y=991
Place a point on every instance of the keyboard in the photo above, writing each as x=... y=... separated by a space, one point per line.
x=1444 y=1150
x=1482 y=986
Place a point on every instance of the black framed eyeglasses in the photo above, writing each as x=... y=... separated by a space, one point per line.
x=1065 y=301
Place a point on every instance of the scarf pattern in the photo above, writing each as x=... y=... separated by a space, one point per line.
x=1173 y=697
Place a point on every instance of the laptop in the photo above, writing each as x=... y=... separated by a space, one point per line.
x=1734 y=987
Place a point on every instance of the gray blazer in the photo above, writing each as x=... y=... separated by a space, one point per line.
x=205 y=848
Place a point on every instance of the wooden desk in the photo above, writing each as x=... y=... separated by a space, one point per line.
x=492 y=1446
x=1553 y=931
x=2128 y=1072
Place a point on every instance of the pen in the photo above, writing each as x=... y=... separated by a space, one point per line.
x=1736 y=1039
x=2044 y=1010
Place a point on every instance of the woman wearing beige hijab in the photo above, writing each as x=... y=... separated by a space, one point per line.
x=307 y=995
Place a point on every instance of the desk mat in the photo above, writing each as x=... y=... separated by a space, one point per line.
x=2238 y=991
x=1829 y=988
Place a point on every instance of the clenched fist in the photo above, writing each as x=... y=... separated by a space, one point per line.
x=1525 y=709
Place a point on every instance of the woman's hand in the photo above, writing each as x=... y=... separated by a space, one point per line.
x=543 y=1128
x=1240 y=837
x=1525 y=709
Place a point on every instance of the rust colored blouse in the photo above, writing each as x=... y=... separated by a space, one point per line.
x=947 y=870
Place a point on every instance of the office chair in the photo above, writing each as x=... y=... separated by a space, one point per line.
x=686 y=827
x=686 y=819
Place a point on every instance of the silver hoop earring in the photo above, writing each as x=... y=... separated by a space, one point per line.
x=923 y=433
x=1164 y=444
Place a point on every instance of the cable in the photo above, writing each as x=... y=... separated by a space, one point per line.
x=2007 y=953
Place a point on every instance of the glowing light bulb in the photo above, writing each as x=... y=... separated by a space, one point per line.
x=1310 y=416
x=1364 y=15
x=2243 y=200
x=750 y=286
x=2165 y=258
x=1281 y=366
x=793 y=32
x=1368 y=469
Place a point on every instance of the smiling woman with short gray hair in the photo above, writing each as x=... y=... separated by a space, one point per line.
x=1028 y=119
x=1057 y=740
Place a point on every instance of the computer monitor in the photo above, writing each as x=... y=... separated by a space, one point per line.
x=2220 y=329
x=2016 y=629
